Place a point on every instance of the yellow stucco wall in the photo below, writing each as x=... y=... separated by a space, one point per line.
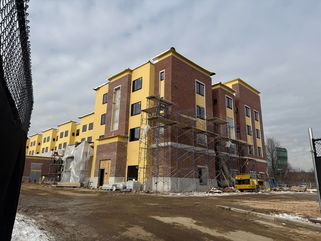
x=99 y=130
x=85 y=121
x=50 y=145
x=145 y=71
x=34 y=146
x=69 y=126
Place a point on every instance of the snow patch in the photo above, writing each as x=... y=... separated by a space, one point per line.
x=291 y=217
x=26 y=228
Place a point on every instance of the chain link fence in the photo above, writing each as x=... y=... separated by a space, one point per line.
x=15 y=63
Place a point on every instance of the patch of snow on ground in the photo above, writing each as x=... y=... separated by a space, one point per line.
x=26 y=229
x=291 y=217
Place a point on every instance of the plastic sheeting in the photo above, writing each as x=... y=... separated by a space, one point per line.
x=77 y=163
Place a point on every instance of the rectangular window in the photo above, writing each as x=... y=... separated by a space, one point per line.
x=103 y=119
x=229 y=102
x=248 y=130
x=48 y=138
x=135 y=108
x=201 y=139
x=42 y=150
x=230 y=128
x=101 y=137
x=105 y=98
x=44 y=139
x=66 y=133
x=258 y=134
x=259 y=151
x=77 y=132
x=61 y=134
x=137 y=84
x=162 y=75
x=203 y=175
x=250 y=149
x=91 y=126
x=199 y=88
x=247 y=111
x=116 y=109
x=89 y=138
x=134 y=134
x=84 y=128
x=65 y=145
x=256 y=115
x=47 y=149
x=200 y=112
x=59 y=147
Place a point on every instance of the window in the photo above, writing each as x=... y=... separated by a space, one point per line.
x=137 y=84
x=229 y=102
x=203 y=175
x=162 y=75
x=89 y=138
x=39 y=143
x=105 y=98
x=116 y=109
x=134 y=134
x=250 y=149
x=230 y=128
x=201 y=139
x=200 y=112
x=256 y=115
x=247 y=111
x=199 y=88
x=83 y=139
x=59 y=147
x=103 y=119
x=248 y=130
x=91 y=126
x=135 y=108
x=101 y=137
x=47 y=149
x=65 y=145
x=84 y=128
x=258 y=133
x=42 y=150
x=77 y=132
x=73 y=134
x=53 y=139
x=48 y=138
x=259 y=151
x=44 y=139
x=61 y=134
x=66 y=133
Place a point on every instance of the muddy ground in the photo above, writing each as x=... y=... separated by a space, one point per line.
x=82 y=214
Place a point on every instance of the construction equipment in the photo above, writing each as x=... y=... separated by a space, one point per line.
x=248 y=182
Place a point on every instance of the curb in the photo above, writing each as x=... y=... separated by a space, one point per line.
x=314 y=226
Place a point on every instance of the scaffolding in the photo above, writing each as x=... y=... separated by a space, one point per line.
x=174 y=145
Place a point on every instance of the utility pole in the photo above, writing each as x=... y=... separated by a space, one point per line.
x=316 y=159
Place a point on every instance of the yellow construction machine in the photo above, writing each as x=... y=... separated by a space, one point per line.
x=248 y=182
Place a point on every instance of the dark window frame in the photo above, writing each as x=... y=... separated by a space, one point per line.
x=137 y=84
x=103 y=119
x=91 y=126
x=162 y=75
x=105 y=98
x=258 y=133
x=249 y=130
x=229 y=102
x=200 y=88
x=77 y=132
x=247 y=111
x=61 y=135
x=256 y=115
x=66 y=133
x=200 y=112
x=133 y=110
x=134 y=134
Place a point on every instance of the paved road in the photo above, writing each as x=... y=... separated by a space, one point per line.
x=75 y=214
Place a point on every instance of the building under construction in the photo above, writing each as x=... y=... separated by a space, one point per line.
x=167 y=126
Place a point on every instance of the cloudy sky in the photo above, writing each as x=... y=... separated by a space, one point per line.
x=273 y=45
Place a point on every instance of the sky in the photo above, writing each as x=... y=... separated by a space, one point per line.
x=275 y=46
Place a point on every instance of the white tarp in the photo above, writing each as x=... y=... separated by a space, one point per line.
x=77 y=163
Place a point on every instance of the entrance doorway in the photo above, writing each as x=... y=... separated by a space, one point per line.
x=104 y=172
x=132 y=173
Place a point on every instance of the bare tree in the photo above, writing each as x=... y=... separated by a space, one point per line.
x=271 y=155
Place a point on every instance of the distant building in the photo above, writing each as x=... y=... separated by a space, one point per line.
x=282 y=159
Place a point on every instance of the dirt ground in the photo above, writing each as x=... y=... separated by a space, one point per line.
x=82 y=214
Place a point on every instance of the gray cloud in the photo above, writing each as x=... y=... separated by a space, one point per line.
x=273 y=45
